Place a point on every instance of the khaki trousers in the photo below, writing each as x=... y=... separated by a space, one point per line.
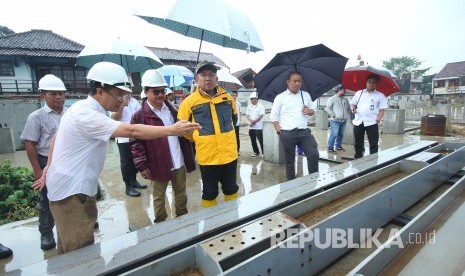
x=75 y=218
x=178 y=182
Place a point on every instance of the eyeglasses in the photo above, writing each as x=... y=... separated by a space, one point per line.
x=158 y=91
x=118 y=98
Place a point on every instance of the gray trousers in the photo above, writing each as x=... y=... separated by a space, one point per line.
x=46 y=221
x=305 y=140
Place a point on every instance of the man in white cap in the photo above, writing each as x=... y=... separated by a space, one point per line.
x=78 y=153
x=170 y=97
x=128 y=169
x=255 y=113
x=41 y=126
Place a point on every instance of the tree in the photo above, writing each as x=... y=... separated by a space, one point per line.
x=404 y=64
x=5 y=30
x=425 y=86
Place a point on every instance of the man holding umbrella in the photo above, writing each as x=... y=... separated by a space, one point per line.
x=289 y=115
x=368 y=106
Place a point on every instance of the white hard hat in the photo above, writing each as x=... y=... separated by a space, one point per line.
x=142 y=95
x=111 y=74
x=51 y=83
x=253 y=95
x=169 y=91
x=153 y=78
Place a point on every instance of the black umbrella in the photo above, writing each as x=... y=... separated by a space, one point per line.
x=321 y=69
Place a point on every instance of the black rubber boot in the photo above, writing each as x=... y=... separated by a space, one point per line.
x=130 y=191
x=47 y=241
x=5 y=252
x=137 y=185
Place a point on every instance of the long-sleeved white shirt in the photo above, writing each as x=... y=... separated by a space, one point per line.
x=287 y=109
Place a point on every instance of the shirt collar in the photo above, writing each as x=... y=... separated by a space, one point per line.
x=154 y=109
x=95 y=104
x=49 y=110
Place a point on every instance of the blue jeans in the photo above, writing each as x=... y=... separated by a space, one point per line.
x=337 y=133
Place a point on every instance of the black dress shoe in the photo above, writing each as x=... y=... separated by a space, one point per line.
x=47 y=241
x=137 y=185
x=130 y=191
x=5 y=252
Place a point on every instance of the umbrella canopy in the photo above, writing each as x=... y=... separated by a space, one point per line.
x=215 y=21
x=355 y=78
x=176 y=75
x=131 y=56
x=224 y=76
x=321 y=70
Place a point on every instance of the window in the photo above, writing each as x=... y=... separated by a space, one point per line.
x=453 y=83
x=440 y=83
x=7 y=69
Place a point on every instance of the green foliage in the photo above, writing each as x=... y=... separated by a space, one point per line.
x=5 y=30
x=404 y=64
x=18 y=201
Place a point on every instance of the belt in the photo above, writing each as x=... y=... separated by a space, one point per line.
x=295 y=129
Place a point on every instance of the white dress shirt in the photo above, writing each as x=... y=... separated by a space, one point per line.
x=287 y=109
x=175 y=148
x=41 y=126
x=368 y=106
x=80 y=149
x=126 y=116
x=255 y=111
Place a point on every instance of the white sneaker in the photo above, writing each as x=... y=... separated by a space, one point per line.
x=254 y=155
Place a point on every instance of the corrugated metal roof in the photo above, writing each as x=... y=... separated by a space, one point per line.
x=451 y=70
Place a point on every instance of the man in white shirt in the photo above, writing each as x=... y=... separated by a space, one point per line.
x=41 y=126
x=289 y=115
x=238 y=124
x=171 y=97
x=78 y=151
x=368 y=106
x=255 y=113
x=128 y=169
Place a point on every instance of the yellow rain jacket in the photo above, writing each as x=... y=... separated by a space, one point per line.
x=215 y=143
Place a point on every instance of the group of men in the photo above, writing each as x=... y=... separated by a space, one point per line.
x=67 y=147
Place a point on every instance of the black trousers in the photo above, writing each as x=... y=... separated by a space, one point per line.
x=255 y=134
x=46 y=221
x=305 y=140
x=359 y=135
x=128 y=169
x=212 y=174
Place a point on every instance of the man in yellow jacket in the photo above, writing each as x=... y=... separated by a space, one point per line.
x=216 y=147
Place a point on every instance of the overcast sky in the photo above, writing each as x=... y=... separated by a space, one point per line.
x=430 y=30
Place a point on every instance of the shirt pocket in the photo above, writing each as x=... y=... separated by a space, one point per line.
x=203 y=116
x=225 y=112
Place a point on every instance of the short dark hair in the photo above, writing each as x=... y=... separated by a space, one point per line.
x=294 y=73
x=96 y=84
x=373 y=77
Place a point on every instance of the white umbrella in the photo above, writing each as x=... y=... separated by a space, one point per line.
x=224 y=76
x=132 y=56
x=176 y=75
x=215 y=21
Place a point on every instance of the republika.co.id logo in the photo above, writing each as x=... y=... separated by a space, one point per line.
x=347 y=238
